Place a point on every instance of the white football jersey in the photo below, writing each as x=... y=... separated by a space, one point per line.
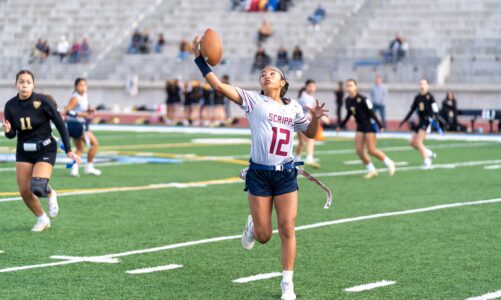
x=272 y=127
x=82 y=106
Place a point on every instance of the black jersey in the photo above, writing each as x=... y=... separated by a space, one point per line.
x=426 y=106
x=360 y=107
x=30 y=119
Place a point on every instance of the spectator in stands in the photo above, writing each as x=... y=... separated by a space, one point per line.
x=261 y=60
x=184 y=50
x=378 y=95
x=135 y=42
x=145 y=46
x=37 y=52
x=339 y=92
x=283 y=5
x=282 y=59
x=63 y=48
x=85 y=50
x=45 y=50
x=396 y=50
x=449 y=113
x=272 y=5
x=160 y=43
x=264 y=32
x=317 y=17
x=297 y=59
x=74 y=52
x=173 y=91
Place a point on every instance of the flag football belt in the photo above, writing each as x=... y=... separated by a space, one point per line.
x=287 y=166
x=36 y=146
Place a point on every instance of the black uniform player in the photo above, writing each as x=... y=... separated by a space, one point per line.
x=28 y=117
x=361 y=107
x=427 y=109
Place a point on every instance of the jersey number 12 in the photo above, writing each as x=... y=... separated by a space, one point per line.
x=281 y=141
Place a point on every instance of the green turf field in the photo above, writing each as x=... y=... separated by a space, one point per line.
x=447 y=253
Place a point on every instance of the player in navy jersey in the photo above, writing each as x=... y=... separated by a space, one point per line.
x=427 y=110
x=271 y=178
x=360 y=107
x=28 y=117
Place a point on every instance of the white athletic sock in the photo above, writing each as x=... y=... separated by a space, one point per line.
x=428 y=152
x=297 y=158
x=43 y=217
x=90 y=165
x=370 y=167
x=427 y=162
x=309 y=158
x=287 y=276
x=387 y=161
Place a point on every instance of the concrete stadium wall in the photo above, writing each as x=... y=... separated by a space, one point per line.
x=113 y=95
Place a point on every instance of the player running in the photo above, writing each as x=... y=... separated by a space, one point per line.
x=271 y=179
x=361 y=107
x=28 y=117
x=427 y=108
x=78 y=112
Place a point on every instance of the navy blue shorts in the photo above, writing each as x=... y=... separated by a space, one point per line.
x=271 y=183
x=76 y=129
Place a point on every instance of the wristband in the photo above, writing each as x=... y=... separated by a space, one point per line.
x=202 y=65
x=72 y=113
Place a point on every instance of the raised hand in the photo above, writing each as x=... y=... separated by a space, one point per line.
x=318 y=111
x=196 y=45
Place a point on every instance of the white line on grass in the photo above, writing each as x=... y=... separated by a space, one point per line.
x=493 y=167
x=257 y=277
x=154 y=269
x=233 y=237
x=493 y=295
x=1 y=252
x=108 y=164
x=235 y=180
x=369 y=286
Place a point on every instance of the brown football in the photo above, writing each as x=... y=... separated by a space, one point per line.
x=211 y=47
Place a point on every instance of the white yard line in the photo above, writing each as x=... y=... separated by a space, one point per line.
x=1 y=252
x=369 y=286
x=257 y=277
x=72 y=260
x=108 y=164
x=154 y=269
x=489 y=296
x=232 y=181
x=493 y=167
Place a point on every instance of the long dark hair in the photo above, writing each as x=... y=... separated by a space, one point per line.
x=25 y=72
x=78 y=80
x=309 y=81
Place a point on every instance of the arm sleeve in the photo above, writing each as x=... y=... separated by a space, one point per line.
x=12 y=133
x=348 y=115
x=413 y=108
x=55 y=117
x=301 y=122
x=248 y=99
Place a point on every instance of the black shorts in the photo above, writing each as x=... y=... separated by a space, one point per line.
x=426 y=126
x=46 y=154
x=271 y=183
x=366 y=128
x=218 y=99
x=173 y=100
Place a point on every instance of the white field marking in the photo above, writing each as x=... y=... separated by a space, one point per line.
x=221 y=141
x=493 y=167
x=237 y=180
x=369 y=286
x=1 y=252
x=108 y=164
x=493 y=295
x=95 y=259
x=257 y=277
x=234 y=237
x=154 y=269
x=359 y=162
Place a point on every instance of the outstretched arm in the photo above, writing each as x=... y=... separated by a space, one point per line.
x=409 y=114
x=227 y=90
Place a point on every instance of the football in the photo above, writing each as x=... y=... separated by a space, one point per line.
x=211 y=47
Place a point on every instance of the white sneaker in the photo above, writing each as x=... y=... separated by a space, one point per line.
x=74 y=170
x=41 y=225
x=53 y=205
x=248 y=239
x=391 y=169
x=288 y=291
x=92 y=171
x=427 y=164
x=371 y=174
